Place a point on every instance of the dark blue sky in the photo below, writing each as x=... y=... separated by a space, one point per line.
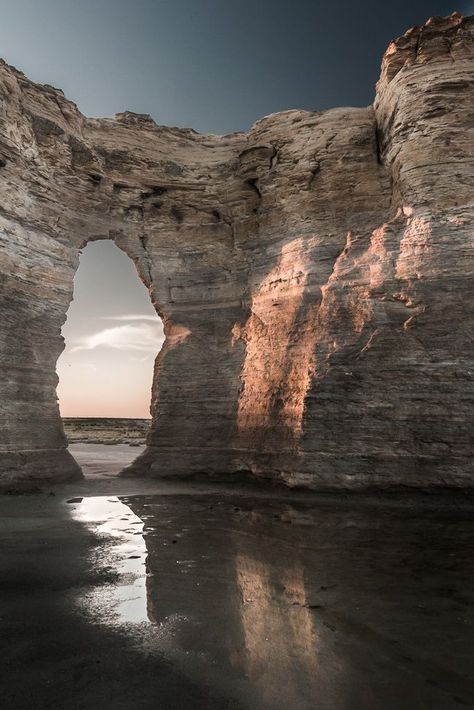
x=214 y=65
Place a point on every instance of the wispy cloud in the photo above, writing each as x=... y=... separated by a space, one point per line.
x=133 y=317
x=142 y=337
x=142 y=359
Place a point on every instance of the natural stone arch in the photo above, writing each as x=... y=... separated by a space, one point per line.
x=305 y=272
x=88 y=193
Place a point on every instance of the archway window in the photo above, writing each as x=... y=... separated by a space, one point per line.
x=112 y=336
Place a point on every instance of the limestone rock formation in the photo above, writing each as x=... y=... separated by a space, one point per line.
x=314 y=276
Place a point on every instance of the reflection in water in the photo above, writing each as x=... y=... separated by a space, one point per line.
x=124 y=601
x=276 y=606
x=212 y=603
x=280 y=638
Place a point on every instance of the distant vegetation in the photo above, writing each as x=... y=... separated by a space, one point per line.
x=106 y=431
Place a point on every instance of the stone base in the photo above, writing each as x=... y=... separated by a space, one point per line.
x=318 y=472
x=325 y=471
x=50 y=465
x=156 y=462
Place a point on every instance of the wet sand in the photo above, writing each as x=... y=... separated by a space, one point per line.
x=192 y=596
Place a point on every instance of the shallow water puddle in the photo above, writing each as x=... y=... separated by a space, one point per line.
x=274 y=604
x=124 y=600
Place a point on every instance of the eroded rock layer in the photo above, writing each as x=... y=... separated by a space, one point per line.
x=314 y=276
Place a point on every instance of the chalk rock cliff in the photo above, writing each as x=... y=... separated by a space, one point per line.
x=314 y=276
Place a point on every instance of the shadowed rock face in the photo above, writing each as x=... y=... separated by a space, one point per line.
x=314 y=276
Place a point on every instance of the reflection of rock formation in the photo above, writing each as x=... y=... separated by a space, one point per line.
x=313 y=275
x=280 y=638
x=228 y=608
x=279 y=606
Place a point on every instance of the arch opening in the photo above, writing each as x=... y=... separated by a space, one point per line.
x=112 y=336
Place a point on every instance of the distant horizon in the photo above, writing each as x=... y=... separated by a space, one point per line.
x=148 y=419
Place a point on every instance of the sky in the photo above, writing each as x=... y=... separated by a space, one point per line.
x=112 y=335
x=213 y=65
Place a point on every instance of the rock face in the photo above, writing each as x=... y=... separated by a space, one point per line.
x=314 y=276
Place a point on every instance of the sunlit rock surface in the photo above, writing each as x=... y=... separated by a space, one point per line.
x=314 y=276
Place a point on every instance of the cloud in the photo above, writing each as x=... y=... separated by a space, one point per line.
x=142 y=337
x=141 y=359
x=133 y=317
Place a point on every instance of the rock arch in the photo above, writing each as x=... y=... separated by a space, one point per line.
x=306 y=272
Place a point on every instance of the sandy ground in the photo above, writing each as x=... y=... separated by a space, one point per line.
x=137 y=595
x=104 y=460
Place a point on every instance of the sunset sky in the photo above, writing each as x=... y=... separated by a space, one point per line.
x=112 y=338
x=214 y=65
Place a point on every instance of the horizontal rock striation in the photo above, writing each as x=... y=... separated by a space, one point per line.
x=314 y=276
